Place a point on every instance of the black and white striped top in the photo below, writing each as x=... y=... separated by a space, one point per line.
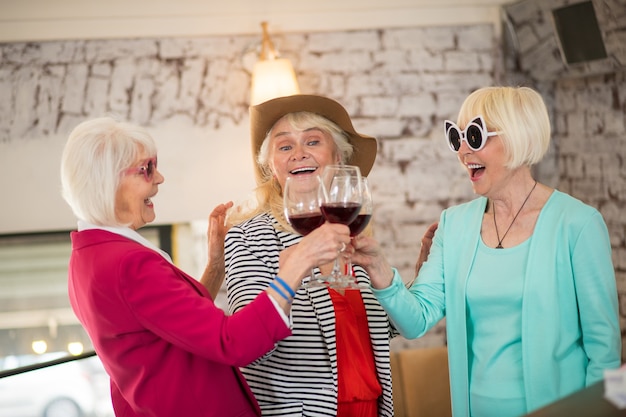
x=298 y=377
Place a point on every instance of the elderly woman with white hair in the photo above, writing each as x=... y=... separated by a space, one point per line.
x=169 y=350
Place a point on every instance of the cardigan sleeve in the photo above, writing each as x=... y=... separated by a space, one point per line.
x=596 y=294
x=166 y=302
x=416 y=310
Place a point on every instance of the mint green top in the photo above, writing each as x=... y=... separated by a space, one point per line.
x=568 y=325
x=494 y=331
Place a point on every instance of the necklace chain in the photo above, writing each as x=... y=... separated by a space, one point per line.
x=514 y=218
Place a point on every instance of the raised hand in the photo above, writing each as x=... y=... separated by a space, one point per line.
x=215 y=271
x=425 y=244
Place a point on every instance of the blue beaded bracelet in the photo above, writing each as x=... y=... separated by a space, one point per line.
x=285 y=286
x=279 y=291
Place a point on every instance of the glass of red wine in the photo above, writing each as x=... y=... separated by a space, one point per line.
x=341 y=203
x=301 y=203
x=357 y=226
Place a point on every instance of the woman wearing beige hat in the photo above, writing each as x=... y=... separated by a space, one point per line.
x=336 y=362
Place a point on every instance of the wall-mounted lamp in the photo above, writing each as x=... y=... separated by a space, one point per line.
x=272 y=76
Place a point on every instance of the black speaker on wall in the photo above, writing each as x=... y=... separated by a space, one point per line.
x=578 y=33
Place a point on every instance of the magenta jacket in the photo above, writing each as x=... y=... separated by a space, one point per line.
x=170 y=352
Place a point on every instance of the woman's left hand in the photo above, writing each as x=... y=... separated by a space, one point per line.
x=425 y=244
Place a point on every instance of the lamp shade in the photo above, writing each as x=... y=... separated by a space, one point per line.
x=272 y=78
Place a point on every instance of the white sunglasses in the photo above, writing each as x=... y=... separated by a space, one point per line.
x=475 y=134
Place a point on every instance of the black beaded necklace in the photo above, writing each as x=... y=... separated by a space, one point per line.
x=514 y=218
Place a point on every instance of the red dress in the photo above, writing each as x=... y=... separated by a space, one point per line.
x=359 y=388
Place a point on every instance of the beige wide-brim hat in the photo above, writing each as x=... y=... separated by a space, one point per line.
x=263 y=117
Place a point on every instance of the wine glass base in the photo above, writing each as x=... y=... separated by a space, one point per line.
x=346 y=282
x=326 y=281
x=335 y=282
x=315 y=284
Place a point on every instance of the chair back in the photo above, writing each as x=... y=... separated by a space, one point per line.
x=421 y=385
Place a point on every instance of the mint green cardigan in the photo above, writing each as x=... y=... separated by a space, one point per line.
x=570 y=327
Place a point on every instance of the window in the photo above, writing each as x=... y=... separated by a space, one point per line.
x=578 y=33
x=35 y=313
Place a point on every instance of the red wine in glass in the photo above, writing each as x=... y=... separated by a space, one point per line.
x=359 y=224
x=340 y=203
x=343 y=213
x=306 y=223
x=301 y=205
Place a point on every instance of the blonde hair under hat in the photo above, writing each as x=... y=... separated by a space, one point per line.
x=263 y=116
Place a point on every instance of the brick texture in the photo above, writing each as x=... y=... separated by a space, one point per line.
x=398 y=84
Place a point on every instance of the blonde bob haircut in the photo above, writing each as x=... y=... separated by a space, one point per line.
x=519 y=114
x=269 y=194
x=94 y=158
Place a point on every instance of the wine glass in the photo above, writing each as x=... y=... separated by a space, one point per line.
x=341 y=203
x=357 y=226
x=302 y=210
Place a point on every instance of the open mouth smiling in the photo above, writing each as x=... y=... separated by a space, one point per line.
x=475 y=169
x=303 y=170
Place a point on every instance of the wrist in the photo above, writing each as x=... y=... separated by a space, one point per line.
x=382 y=277
x=285 y=286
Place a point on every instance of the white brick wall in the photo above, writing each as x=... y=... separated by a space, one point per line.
x=398 y=84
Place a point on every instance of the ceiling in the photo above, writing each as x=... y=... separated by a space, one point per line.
x=31 y=20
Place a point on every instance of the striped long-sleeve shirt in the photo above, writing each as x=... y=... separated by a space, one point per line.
x=299 y=376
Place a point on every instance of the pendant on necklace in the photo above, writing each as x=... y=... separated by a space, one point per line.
x=495 y=224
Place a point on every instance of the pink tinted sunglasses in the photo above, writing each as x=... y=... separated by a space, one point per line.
x=147 y=169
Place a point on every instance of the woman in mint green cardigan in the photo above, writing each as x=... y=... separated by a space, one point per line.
x=523 y=274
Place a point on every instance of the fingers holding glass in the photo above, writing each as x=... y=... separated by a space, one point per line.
x=301 y=205
x=340 y=191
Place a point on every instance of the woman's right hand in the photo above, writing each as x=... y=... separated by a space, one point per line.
x=319 y=247
x=369 y=254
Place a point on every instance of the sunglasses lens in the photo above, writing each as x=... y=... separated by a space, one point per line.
x=454 y=137
x=474 y=136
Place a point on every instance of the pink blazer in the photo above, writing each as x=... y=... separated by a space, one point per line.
x=170 y=352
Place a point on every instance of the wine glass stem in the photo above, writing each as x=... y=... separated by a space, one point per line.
x=336 y=272
x=349 y=272
x=314 y=280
